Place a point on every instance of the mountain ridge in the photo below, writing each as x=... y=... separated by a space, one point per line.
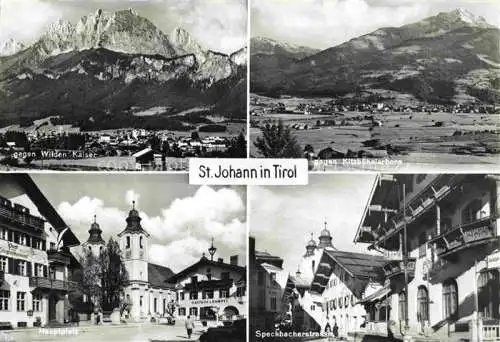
x=437 y=59
x=112 y=62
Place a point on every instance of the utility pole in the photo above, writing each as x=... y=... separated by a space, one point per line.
x=405 y=257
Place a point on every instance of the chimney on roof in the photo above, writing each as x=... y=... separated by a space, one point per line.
x=233 y=260
x=220 y=260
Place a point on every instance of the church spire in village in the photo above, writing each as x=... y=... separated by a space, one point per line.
x=95 y=233
x=325 y=238
x=310 y=247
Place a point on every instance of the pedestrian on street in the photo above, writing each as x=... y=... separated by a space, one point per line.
x=189 y=326
x=336 y=330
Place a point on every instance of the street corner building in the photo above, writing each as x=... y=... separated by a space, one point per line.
x=439 y=236
x=211 y=291
x=147 y=293
x=36 y=265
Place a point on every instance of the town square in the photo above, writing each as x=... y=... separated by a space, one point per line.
x=132 y=257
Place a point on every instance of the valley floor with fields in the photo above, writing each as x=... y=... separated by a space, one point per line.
x=433 y=140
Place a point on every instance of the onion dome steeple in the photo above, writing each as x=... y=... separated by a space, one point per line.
x=310 y=247
x=95 y=233
x=133 y=223
x=325 y=238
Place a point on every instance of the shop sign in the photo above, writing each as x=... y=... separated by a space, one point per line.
x=477 y=234
x=17 y=251
x=210 y=301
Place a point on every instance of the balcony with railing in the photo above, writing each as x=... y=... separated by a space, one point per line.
x=19 y=214
x=419 y=204
x=51 y=284
x=58 y=257
x=464 y=236
x=396 y=267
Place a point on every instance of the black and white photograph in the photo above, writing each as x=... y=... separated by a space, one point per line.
x=398 y=84
x=122 y=257
x=376 y=257
x=120 y=84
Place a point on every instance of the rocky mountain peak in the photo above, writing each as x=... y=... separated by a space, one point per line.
x=183 y=43
x=10 y=47
x=459 y=17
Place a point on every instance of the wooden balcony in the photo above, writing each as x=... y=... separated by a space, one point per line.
x=396 y=267
x=465 y=236
x=58 y=257
x=418 y=205
x=51 y=284
x=19 y=215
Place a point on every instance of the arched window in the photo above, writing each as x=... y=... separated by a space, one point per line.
x=140 y=242
x=422 y=304
x=488 y=294
x=402 y=306
x=450 y=298
x=470 y=212
x=128 y=242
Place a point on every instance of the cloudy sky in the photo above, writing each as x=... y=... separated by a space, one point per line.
x=283 y=218
x=219 y=25
x=180 y=218
x=326 y=23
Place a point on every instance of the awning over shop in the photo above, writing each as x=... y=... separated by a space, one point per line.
x=377 y=295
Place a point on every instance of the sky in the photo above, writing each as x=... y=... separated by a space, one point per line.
x=180 y=218
x=325 y=23
x=218 y=25
x=283 y=218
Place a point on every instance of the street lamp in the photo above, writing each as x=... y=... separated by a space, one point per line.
x=212 y=250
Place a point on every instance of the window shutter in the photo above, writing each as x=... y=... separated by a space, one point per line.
x=29 y=267
x=36 y=269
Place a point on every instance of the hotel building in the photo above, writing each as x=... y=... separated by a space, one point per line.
x=36 y=266
x=441 y=237
x=211 y=291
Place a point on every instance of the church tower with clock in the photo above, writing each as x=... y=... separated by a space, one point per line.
x=134 y=244
x=147 y=293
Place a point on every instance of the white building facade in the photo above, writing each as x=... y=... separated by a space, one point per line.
x=35 y=262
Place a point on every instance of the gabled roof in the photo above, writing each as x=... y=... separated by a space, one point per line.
x=158 y=275
x=44 y=207
x=359 y=265
x=202 y=263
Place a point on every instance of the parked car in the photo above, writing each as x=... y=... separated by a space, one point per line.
x=234 y=332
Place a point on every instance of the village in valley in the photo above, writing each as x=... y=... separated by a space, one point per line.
x=120 y=149
x=329 y=128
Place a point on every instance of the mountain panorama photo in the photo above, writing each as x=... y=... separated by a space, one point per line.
x=114 y=87
x=426 y=93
